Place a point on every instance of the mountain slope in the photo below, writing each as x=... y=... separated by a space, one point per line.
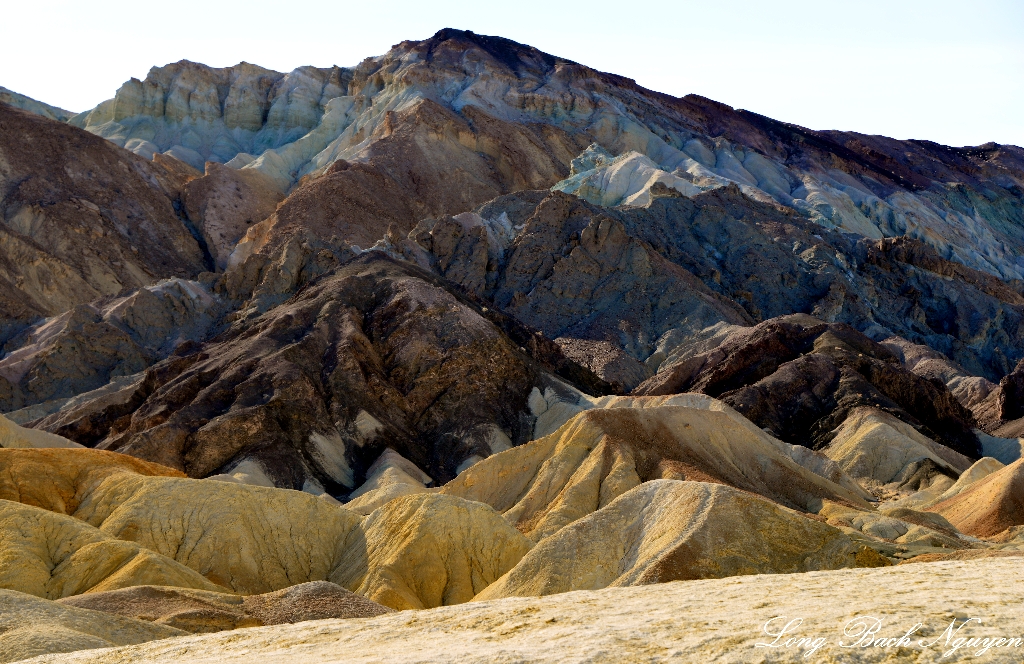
x=82 y=219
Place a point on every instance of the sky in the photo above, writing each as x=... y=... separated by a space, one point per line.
x=951 y=72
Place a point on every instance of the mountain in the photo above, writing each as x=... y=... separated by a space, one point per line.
x=83 y=219
x=31 y=105
x=430 y=327
x=505 y=116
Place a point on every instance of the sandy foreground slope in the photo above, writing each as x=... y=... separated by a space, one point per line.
x=719 y=620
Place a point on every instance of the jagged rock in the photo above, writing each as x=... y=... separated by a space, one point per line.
x=667 y=530
x=90 y=345
x=602 y=453
x=215 y=113
x=629 y=179
x=424 y=551
x=1001 y=413
x=200 y=611
x=406 y=365
x=571 y=270
x=988 y=506
x=88 y=416
x=522 y=116
x=424 y=160
x=768 y=261
x=82 y=219
x=30 y=626
x=800 y=378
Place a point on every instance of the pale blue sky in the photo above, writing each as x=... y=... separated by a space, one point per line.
x=952 y=72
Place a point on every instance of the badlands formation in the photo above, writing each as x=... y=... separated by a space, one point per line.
x=473 y=353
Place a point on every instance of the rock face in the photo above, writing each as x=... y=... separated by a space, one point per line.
x=87 y=347
x=199 y=611
x=732 y=260
x=199 y=113
x=990 y=505
x=707 y=620
x=30 y=626
x=800 y=378
x=1001 y=412
x=667 y=530
x=375 y=355
x=82 y=219
x=225 y=203
x=580 y=276
x=517 y=117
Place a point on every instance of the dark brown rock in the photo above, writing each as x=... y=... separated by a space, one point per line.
x=85 y=348
x=377 y=354
x=82 y=219
x=799 y=378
